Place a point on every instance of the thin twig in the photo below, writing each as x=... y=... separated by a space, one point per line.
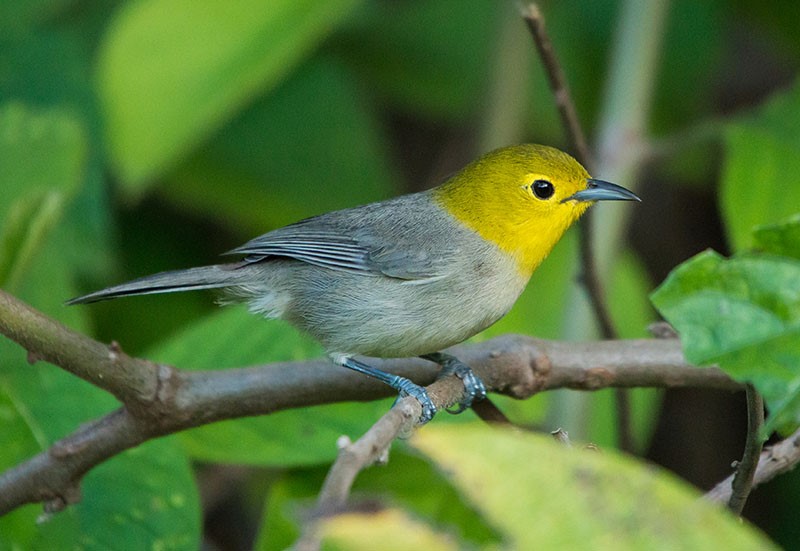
x=489 y=412
x=589 y=276
x=777 y=459
x=558 y=83
x=745 y=470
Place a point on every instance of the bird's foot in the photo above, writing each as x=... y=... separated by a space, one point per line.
x=404 y=386
x=408 y=388
x=474 y=389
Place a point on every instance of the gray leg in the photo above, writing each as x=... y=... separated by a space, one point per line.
x=473 y=386
x=404 y=386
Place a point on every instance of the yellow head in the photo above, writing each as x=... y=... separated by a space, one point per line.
x=523 y=198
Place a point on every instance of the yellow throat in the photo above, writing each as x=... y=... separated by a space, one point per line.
x=503 y=196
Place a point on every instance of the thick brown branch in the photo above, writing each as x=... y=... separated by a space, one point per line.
x=514 y=365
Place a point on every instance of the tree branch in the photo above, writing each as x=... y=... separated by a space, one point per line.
x=159 y=399
x=777 y=459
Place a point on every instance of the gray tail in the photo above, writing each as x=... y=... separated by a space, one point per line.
x=205 y=277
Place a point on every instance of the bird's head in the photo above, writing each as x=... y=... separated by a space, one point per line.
x=523 y=198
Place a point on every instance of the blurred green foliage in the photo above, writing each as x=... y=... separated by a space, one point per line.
x=155 y=134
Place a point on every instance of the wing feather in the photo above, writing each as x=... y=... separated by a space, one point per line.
x=338 y=241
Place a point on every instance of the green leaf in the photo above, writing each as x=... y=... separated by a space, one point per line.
x=171 y=71
x=40 y=151
x=43 y=154
x=144 y=498
x=48 y=403
x=782 y=239
x=311 y=146
x=743 y=314
x=762 y=159
x=27 y=225
x=577 y=499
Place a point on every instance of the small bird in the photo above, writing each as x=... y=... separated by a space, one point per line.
x=412 y=275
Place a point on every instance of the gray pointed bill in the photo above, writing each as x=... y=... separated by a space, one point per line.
x=600 y=190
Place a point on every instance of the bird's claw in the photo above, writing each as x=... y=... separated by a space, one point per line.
x=421 y=395
x=474 y=389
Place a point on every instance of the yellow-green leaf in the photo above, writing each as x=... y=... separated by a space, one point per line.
x=388 y=530
x=542 y=495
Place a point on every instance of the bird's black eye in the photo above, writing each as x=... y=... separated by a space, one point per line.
x=543 y=189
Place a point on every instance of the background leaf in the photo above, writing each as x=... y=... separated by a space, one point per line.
x=310 y=146
x=762 y=159
x=782 y=238
x=171 y=71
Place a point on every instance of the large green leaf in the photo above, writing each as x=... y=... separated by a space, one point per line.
x=761 y=174
x=542 y=495
x=42 y=403
x=171 y=71
x=742 y=313
x=311 y=146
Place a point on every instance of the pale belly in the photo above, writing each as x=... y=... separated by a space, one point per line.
x=388 y=317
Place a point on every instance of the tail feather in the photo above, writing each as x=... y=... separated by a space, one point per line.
x=205 y=277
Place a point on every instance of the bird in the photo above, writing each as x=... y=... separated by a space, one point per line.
x=409 y=276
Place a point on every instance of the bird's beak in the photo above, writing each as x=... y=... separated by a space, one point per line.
x=600 y=190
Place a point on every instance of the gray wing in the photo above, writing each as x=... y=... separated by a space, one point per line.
x=395 y=245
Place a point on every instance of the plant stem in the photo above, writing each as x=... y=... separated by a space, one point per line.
x=746 y=469
x=625 y=110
